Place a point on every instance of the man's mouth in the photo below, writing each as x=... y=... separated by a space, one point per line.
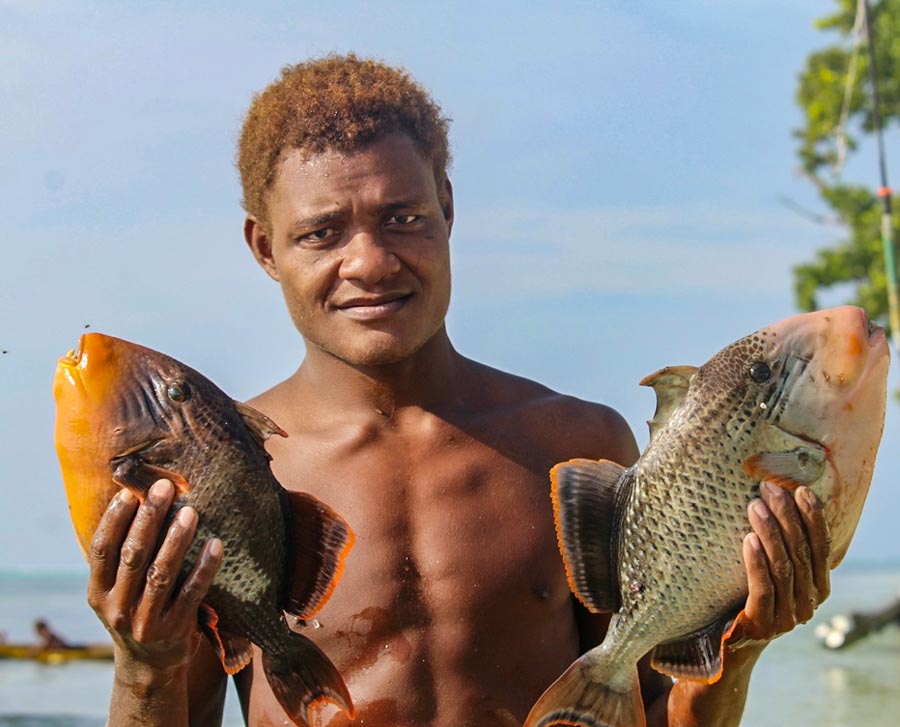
x=373 y=307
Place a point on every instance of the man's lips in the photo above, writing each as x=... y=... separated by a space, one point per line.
x=371 y=308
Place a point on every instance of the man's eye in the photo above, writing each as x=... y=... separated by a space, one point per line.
x=402 y=219
x=317 y=235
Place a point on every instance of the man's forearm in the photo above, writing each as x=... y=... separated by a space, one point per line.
x=694 y=704
x=149 y=698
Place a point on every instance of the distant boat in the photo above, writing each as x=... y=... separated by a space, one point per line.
x=845 y=629
x=79 y=652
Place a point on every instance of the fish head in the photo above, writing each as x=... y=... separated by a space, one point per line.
x=808 y=396
x=118 y=404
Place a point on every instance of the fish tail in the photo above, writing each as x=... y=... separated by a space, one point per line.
x=578 y=699
x=301 y=676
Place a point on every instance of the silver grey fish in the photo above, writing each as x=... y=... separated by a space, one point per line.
x=800 y=402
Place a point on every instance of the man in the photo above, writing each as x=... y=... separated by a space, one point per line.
x=453 y=608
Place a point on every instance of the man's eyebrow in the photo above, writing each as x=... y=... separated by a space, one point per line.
x=403 y=204
x=313 y=221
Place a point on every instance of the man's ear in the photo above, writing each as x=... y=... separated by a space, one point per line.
x=445 y=195
x=260 y=245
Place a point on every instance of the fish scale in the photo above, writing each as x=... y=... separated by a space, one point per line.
x=800 y=402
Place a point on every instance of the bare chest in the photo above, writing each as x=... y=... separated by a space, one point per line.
x=442 y=516
x=454 y=593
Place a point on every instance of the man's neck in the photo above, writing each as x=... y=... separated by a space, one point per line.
x=428 y=379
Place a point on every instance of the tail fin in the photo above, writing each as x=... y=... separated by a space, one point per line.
x=577 y=700
x=301 y=676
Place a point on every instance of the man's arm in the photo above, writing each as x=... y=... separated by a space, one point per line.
x=786 y=558
x=132 y=588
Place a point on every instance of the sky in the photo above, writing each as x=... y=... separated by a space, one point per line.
x=620 y=173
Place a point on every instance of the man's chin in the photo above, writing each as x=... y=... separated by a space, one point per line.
x=374 y=356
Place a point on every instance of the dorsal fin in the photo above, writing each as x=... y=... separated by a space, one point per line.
x=260 y=426
x=584 y=493
x=671 y=385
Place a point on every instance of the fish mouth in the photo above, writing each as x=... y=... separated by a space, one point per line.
x=73 y=355
x=876 y=333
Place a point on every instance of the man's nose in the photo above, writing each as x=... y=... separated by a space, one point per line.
x=368 y=259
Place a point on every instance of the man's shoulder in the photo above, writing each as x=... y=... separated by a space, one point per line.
x=272 y=401
x=573 y=426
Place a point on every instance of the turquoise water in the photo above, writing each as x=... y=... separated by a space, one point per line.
x=796 y=682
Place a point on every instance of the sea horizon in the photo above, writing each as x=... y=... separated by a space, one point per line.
x=797 y=681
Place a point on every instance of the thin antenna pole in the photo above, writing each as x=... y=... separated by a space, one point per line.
x=890 y=263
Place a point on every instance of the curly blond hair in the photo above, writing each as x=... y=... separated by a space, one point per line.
x=335 y=102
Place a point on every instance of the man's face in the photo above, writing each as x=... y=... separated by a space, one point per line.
x=360 y=244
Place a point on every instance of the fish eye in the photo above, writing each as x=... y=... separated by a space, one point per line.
x=760 y=372
x=177 y=391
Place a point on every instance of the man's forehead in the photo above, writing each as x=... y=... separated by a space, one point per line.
x=395 y=170
x=390 y=143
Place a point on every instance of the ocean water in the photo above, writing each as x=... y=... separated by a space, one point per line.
x=796 y=682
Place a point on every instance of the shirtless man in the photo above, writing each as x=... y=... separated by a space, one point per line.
x=453 y=608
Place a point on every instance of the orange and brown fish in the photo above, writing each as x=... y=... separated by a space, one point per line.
x=800 y=402
x=127 y=416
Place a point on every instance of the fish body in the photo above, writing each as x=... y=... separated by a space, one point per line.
x=800 y=402
x=127 y=416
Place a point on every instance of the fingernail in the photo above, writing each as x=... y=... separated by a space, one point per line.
x=215 y=547
x=753 y=539
x=770 y=488
x=161 y=490
x=810 y=496
x=759 y=507
x=185 y=516
x=125 y=496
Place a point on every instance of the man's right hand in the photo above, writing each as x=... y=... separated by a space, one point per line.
x=134 y=586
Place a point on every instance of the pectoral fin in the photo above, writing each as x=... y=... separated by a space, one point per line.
x=137 y=476
x=801 y=466
x=584 y=493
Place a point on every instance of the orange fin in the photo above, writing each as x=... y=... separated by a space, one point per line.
x=301 y=676
x=790 y=470
x=584 y=494
x=322 y=539
x=577 y=700
x=137 y=476
x=697 y=657
x=235 y=652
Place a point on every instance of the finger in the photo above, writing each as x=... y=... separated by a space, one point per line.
x=106 y=543
x=163 y=572
x=812 y=512
x=140 y=544
x=759 y=611
x=781 y=568
x=198 y=582
x=782 y=505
